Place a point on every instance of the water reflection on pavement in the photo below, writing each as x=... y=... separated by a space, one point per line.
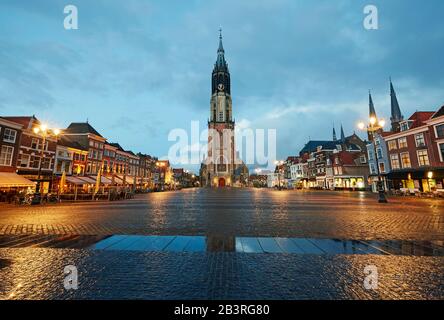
x=37 y=273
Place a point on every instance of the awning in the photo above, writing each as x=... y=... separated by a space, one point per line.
x=11 y=179
x=75 y=180
x=117 y=180
x=348 y=177
x=88 y=180
x=103 y=180
x=129 y=180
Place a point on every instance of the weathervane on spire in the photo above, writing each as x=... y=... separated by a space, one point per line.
x=220 y=32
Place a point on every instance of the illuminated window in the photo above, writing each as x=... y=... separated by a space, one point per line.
x=6 y=155
x=423 y=158
x=394 y=160
x=24 y=160
x=402 y=142
x=392 y=145
x=405 y=160
x=382 y=167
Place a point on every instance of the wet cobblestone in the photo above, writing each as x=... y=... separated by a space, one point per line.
x=36 y=273
x=243 y=212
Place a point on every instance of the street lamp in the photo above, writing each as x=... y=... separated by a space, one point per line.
x=44 y=132
x=373 y=126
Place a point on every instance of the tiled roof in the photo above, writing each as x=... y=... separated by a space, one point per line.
x=419 y=117
x=24 y=121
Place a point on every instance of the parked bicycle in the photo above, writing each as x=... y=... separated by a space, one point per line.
x=23 y=199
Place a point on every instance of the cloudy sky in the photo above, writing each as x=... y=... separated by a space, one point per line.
x=137 y=69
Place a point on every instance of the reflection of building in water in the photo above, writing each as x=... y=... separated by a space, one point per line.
x=221 y=243
x=221 y=167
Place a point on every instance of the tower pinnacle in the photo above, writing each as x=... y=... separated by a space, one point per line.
x=372 y=111
x=396 y=115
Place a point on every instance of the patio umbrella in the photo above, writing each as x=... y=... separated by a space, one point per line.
x=98 y=180
x=62 y=182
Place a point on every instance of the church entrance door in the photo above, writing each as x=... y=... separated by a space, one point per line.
x=221 y=182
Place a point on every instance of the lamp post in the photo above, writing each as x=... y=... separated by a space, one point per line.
x=44 y=132
x=373 y=126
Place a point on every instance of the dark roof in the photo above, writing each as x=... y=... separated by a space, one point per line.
x=81 y=127
x=116 y=145
x=68 y=142
x=312 y=145
x=439 y=113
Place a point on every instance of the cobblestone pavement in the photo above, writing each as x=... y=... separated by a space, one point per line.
x=38 y=274
x=240 y=212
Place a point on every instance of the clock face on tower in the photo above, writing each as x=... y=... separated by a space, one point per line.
x=220 y=86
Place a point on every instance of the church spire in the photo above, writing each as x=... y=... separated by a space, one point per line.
x=221 y=74
x=342 y=134
x=334 y=133
x=396 y=115
x=221 y=47
x=372 y=112
x=221 y=64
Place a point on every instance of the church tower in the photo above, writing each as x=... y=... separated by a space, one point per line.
x=221 y=161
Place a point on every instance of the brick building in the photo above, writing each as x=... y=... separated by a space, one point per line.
x=88 y=138
x=71 y=157
x=147 y=166
x=31 y=151
x=10 y=136
x=416 y=153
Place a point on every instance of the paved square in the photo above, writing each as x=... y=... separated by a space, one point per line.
x=267 y=217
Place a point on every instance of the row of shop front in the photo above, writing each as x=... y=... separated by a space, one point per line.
x=328 y=183
x=425 y=180
x=71 y=187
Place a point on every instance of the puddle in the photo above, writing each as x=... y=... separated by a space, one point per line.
x=226 y=244
x=268 y=245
